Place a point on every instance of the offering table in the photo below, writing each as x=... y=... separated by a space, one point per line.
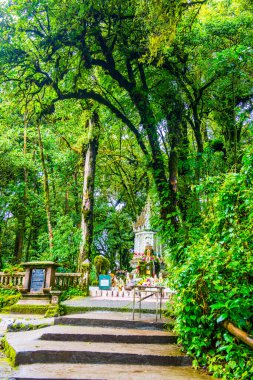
x=142 y=292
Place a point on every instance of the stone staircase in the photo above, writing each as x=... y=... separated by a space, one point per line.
x=100 y=345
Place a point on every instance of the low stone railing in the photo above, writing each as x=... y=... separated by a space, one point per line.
x=15 y=279
x=114 y=292
x=62 y=280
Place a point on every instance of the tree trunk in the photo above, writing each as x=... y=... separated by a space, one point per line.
x=21 y=217
x=89 y=153
x=173 y=180
x=157 y=162
x=19 y=240
x=177 y=130
x=184 y=185
x=1 y=243
x=196 y=126
x=75 y=192
x=46 y=191
x=27 y=255
x=197 y=130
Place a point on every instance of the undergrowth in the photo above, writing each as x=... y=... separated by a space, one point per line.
x=72 y=292
x=8 y=296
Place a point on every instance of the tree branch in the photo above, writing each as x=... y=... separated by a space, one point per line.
x=109 y=64
x=84 y=94
x=69 y=146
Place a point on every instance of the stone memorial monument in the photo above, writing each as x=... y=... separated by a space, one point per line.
x=39 y=282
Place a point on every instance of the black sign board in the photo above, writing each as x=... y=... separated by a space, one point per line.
x=37 y=280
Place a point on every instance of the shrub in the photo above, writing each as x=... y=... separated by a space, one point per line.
x=102 y=264
x=8 y=296
x=71 y=292
x=93 y=279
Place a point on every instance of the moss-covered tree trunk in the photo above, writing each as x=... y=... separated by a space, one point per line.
x=46 y=191
x=21 y=212
x=89 y=154
x=156 y=160
x=19 y=239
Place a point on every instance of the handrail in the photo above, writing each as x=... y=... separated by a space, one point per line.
x=238 y=333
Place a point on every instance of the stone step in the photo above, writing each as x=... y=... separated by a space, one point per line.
x=109 y=323
x=117 y=320
x=66 y=371
x=107 y=334
x=30 y=348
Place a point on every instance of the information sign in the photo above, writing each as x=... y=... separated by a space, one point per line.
x=37 y=280
x=104 y=282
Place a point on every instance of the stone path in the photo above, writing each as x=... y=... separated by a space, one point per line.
x=5 y=368
x=89 y=346
x=109 y=372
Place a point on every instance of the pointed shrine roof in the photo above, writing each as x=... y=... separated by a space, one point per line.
x=143 y=221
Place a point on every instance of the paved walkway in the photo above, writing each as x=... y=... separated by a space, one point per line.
x=110 y=372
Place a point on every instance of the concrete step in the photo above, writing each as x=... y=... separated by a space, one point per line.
x=106 y=334
x=68 y=371
x=113 y=319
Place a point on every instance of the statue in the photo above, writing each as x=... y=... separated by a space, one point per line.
x=147 y=248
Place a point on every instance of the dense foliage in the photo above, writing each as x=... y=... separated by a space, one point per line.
x=215 y=279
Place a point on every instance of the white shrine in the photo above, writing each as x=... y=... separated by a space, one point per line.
x=145 y=236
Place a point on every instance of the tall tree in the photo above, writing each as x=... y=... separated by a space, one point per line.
x=46 y=189
x=89 y=156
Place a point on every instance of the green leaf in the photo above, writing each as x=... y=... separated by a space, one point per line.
x=218 y=305
x=222 y=317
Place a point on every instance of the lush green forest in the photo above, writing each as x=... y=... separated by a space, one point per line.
x=103 y=103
